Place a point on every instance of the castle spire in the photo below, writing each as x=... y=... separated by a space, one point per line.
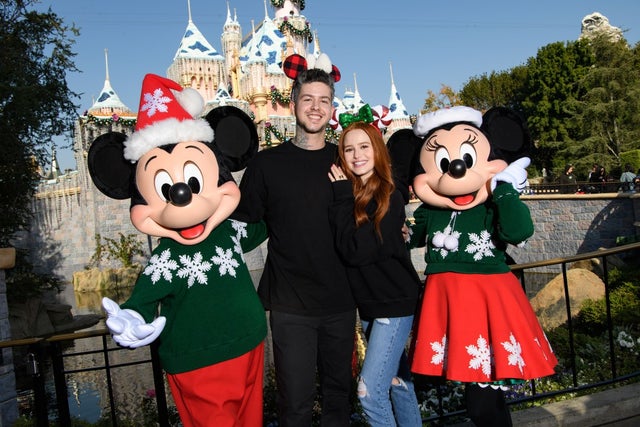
x=266 y=12
x=397 y=110
x=189 y=9
x=106 y=62
x=108 y=102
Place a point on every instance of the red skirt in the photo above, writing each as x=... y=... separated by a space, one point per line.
x=479 y=328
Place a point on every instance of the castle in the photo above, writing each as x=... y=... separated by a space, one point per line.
x=246 y=73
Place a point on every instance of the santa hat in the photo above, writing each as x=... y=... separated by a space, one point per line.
x=429 y=121
x=167 y=115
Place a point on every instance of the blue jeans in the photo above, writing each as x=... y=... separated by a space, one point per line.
x=385 y=387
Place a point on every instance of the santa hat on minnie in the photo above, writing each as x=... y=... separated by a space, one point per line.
x=167 y=115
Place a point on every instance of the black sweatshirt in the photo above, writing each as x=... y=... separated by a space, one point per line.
x=382 y=277
x=289 y=188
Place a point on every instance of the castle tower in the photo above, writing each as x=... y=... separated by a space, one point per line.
x=196 y=64
x=231 y=41
x=289 y=21
x=108 y=113
x=398 y=114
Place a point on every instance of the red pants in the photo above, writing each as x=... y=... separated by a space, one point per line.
x=226 y=394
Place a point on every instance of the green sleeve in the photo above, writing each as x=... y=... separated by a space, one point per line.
x=513 y=217
x=256 y=234
x=418 y=237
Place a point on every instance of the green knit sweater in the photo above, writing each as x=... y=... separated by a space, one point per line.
x=207 y=295
x=482 y=233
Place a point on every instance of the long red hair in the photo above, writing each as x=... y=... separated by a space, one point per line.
x=380 y=184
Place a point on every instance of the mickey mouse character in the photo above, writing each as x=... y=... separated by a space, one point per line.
x=211 y=323
x=476 y=325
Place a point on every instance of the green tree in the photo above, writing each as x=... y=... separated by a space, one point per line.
x=495 y=89
x=552 y=80
x=36 y=103
x=446 y=97
x=607 y=114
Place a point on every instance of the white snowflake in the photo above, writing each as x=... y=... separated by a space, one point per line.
x=194 y=269
x=161 y=266
x=155 y=102
x=515 y=352
x=439 y=350
x=240 y=227
x=480 y=356
x=481 y=246
x=241 y=232
x=226 y=261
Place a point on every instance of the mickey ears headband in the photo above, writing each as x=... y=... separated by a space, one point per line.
x=295 y=64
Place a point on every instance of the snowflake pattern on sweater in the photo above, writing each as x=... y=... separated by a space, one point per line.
x=195 y=268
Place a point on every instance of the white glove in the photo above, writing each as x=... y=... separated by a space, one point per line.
x=128 y=328
x=515 y=174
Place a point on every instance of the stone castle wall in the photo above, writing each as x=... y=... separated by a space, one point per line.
x=569 y=225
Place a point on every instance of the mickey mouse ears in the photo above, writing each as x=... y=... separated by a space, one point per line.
x=295 y=64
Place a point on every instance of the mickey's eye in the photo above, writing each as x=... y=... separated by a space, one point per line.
x=163 y=183
x=193 y=177
x=468 y=154
x=442 y=159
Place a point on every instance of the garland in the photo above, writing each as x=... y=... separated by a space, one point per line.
x=280 y=3
x=305 y=32
x=278 y=97
x=270 y=129
x=109 y=120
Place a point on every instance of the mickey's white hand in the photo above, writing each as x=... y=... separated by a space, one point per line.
x=128 y=327
x=515 y=174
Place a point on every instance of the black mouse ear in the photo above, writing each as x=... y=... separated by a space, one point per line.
x=508 y=134
x=110 y=171
x=403 y=146
x=235 y=136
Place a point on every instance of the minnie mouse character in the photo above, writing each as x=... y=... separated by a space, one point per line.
x=475 y=325
x=211 y=324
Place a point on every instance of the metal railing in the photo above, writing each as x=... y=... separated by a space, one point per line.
x=39 y=349
x=50 y=349
x=580 y=187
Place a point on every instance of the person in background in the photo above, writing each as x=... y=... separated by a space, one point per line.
x=367 y=216
x=627 y=179
x=304 y=284
x=568 y=183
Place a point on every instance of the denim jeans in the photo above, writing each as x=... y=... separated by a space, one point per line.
x=385 y=387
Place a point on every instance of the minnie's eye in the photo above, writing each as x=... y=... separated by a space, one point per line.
x=442 y=159
x=193 y=177
x=162 y=184
x=468 y=154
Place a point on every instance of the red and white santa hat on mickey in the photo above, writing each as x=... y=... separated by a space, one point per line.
x=168 y=114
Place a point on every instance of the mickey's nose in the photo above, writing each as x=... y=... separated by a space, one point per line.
x=457 y=168
x=180 y=194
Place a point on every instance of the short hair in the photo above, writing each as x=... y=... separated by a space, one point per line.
x=312 y=75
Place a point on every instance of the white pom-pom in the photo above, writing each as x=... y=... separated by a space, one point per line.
x=438 y=239
x=191 y=100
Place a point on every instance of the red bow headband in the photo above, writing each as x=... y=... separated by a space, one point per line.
x=295 y=64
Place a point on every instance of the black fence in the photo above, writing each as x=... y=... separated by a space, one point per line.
x=580 y=187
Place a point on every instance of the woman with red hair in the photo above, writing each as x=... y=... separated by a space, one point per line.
x=367 y=218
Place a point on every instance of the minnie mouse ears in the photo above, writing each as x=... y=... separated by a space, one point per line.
x=295 y=64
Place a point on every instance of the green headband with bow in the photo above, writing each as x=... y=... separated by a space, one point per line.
x=364 y=115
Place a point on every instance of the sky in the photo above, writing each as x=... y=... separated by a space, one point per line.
x=423 y=44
